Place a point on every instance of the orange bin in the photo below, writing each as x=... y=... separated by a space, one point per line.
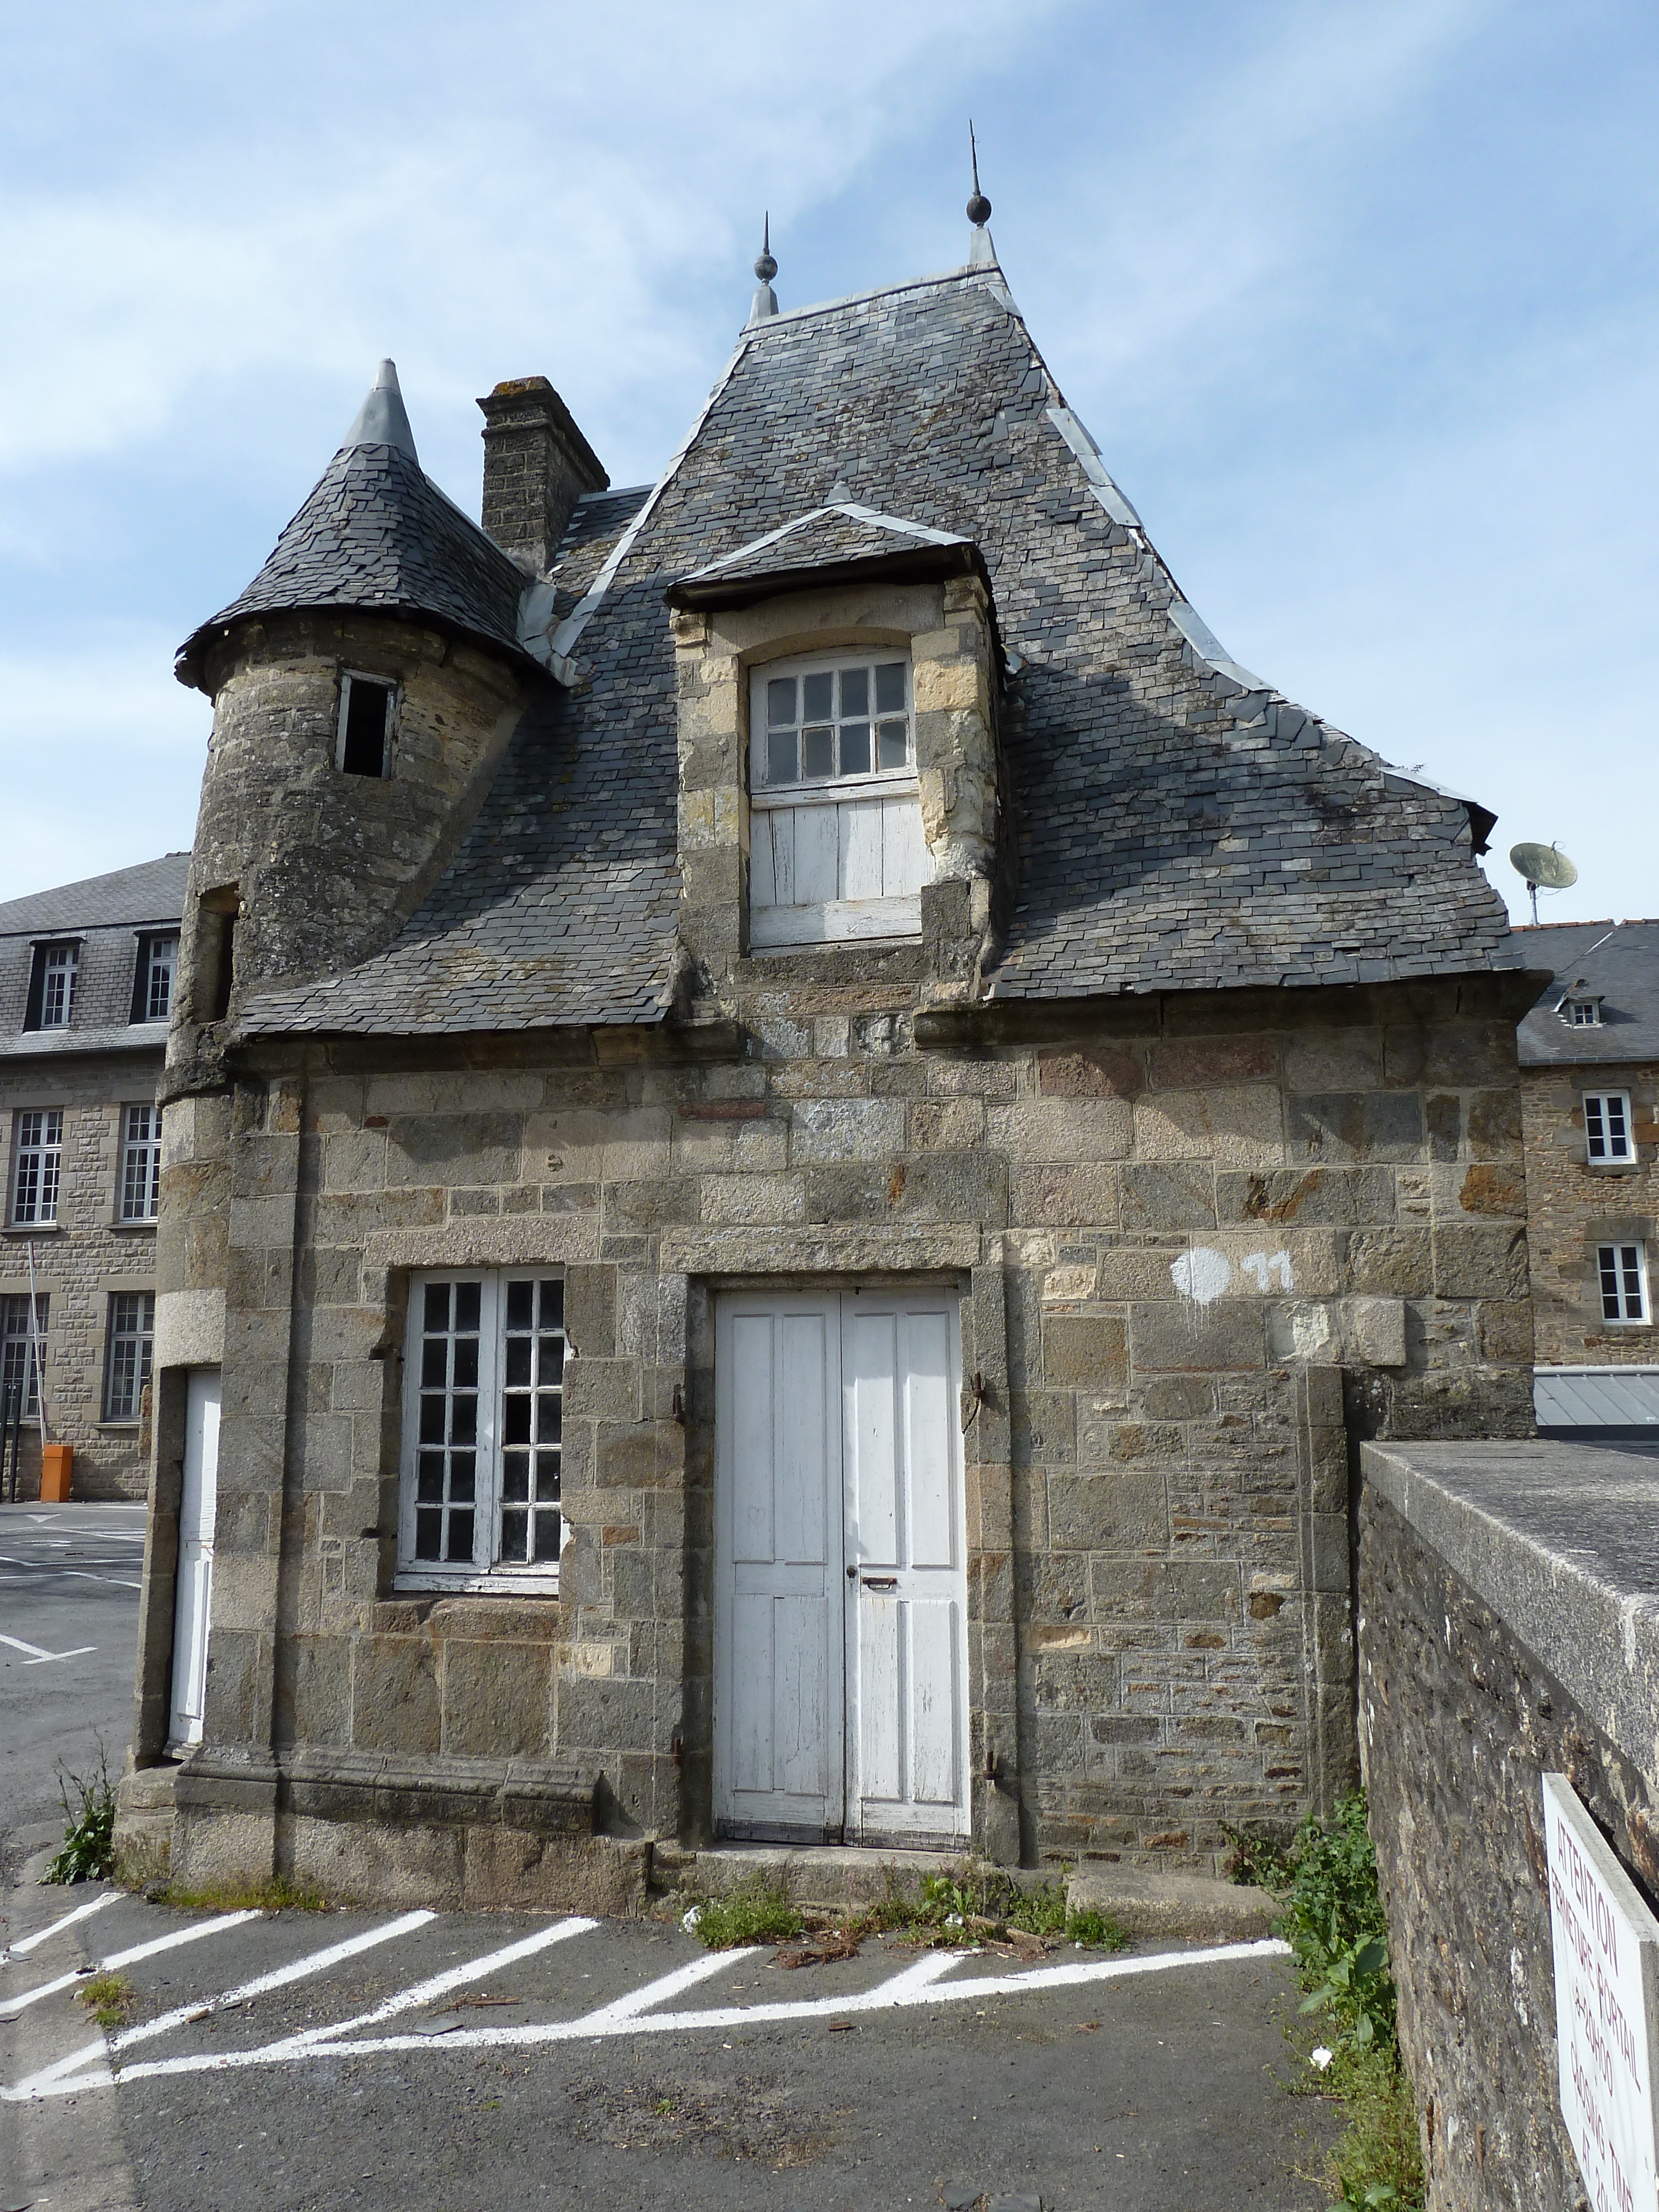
x=56 y=1461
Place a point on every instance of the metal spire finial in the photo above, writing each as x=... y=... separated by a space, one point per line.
x=979 y=208
x=766 y=300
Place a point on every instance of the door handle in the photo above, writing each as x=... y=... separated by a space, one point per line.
x=881 y=1581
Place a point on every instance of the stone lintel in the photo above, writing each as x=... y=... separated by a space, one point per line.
x=737 y=1252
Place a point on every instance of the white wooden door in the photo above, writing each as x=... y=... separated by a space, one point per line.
x=840 y=1585
x=906 y=1540
x=778 y=1663
x=194 y=1598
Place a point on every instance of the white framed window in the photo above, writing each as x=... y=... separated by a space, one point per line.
x=37 y=1168
x=363 y=745
x=22 y=1349
x=52 y=991
x=483 y=1391
x=127 y=1355
x=157 y=966
x=1606 y=1126
x=836 y=843
x=1622 y=1274
x=1581 y=1014
x=141 y=1162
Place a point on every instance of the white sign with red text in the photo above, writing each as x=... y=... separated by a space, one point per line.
x=1606 y=2007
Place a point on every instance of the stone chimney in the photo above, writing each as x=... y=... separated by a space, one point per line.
x=536 y=466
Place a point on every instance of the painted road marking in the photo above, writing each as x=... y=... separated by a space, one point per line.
x=37 y=1567
x=913 y=1986
x=10 y=2006
x=456 y=1977
x=297 y=1970
x=80 y=1913
x=38 y=1658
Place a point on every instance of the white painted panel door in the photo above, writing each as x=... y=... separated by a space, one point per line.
x=194 y=1600
x=906 y=1583
x=778 y=1662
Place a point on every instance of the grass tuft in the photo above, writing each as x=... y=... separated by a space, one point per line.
x=110 y=1997
x=277 y=1895
x=757 y=1912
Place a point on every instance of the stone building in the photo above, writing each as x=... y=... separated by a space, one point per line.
x=86 y=989
x=1589 y=1088
x=800 y=1129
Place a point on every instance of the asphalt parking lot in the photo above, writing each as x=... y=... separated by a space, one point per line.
x=69 y=1619
x=385 y=2061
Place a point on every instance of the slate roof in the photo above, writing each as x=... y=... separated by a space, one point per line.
x=1180 y=824
x=1595 y=1397
x=106 y=915
x=377 y=532
x=1620 y=963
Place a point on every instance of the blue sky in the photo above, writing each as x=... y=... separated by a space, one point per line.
x=1358 y=299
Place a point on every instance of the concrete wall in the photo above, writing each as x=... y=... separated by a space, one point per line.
x=85 y=1259
x=1576 y=1206
x=1496 y=1645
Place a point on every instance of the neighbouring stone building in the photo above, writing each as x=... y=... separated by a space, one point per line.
x=1589 y=1088
x=86 y=990
x=801 y=1129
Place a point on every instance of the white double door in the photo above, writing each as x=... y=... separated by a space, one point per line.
x=841 y=1669
x=193 y=1599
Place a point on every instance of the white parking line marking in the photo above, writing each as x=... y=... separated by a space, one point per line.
x=82 y=1574
x=41 y=1936
x=297 y=1970
x=912 y=1987
x=9 y=2007
x=456 y=1977
x=38 y=1658
x=624 y=2008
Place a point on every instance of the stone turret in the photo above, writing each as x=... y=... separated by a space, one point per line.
x=364 y=686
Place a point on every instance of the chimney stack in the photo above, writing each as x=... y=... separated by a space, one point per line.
x=536 y=466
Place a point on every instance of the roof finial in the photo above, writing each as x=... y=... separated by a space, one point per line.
x=981 y=251
x=979 y=208
x=766 y=300
x=381 y=420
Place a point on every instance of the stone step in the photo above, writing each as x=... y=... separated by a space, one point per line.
x=1190 y=1907
x=825 y=1876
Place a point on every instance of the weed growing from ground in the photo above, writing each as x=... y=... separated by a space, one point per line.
x=1325 y=1882
x=88 y=1848
x=277 y=1895
x=109 y=1997
x=757 y=1912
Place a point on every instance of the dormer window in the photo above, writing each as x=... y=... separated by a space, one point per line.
x=364 y=746
x=836 y=849
x=152 y=983
x=52 y=987
x=1581 y=1009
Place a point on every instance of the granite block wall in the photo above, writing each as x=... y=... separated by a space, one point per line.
x=1576 y=1206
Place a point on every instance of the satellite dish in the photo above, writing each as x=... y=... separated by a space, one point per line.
x=1542 y=865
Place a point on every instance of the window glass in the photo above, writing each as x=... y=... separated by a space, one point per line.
x=21 y=1350
x=52 y=992
x=828 y=723
x=1606 y=1126
x=481 y=1473
x=141 y=1162
x=1622 y=1270
x=158 y=962
x=127 y=1362
x=37 y=1167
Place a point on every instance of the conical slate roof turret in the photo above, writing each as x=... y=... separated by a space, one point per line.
x=377 y=533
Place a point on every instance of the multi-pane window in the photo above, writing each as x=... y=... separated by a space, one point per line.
x=158 y=965
x=1606 y=1126
x=836 y=849
x=22 y=1349
x=52 y=991
x=482 y=1406
x=38 y=1164
x=851 y=719
x=126 y=1364
x=1622 y=1271
x=1581 y=1013
x=140 y=1162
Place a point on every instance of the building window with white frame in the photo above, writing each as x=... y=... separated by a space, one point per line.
x=22 y=1349
x=1606 y=1126
x=127 y=1357
x=157 y=966
x=1581 y=1013
x=52 y=987
x=141 y=1162
x=483 y=1387
x=836 y=849
x=37 y=1168
x=1622 y=1272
